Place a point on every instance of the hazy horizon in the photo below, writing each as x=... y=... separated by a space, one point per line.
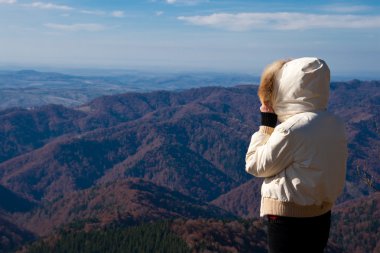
x=91 y=72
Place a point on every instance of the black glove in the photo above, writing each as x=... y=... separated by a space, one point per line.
x=268 y=119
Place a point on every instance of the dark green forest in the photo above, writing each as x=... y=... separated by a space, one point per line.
x=155 y=237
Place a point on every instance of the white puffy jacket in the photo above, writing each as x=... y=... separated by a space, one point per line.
x=303 y=159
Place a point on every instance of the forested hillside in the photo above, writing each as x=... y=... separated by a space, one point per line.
x=141 y=157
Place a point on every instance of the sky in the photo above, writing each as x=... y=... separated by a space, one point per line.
x=190 y=35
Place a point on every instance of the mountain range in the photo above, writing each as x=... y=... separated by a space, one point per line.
x=30 y=88
x=141 y=157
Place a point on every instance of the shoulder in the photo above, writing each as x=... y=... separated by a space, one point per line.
x=312 y=122
x=308 y=121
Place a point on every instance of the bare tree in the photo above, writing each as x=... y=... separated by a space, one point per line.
x=365 y=176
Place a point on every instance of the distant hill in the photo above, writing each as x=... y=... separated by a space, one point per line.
x=11 y=202
x=127 y=202
x=178 y=135
x=243 y=200
x=356 y=225
x=158 y=154
x=12 y=236
x=162 y=136
x=30 y=88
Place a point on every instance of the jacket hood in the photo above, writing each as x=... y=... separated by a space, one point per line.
x=301 y=85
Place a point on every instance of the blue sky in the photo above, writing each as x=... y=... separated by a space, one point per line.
x=190 y=35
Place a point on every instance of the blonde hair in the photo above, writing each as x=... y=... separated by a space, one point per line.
x=267 y=80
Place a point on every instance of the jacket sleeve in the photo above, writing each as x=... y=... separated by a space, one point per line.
x=269 y=153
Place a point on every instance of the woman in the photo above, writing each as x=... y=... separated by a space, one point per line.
x=302 y=160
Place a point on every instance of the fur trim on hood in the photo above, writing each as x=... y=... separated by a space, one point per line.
x=301 y=85
x=265 y=91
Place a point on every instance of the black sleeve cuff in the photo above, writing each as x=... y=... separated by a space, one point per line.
x=268 y=119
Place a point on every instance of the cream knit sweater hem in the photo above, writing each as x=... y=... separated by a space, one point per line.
x=289 y=209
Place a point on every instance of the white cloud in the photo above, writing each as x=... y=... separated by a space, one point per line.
x=281 y=21
x=159 y=13
x=118 y=14
x=49 y=6
x=8 y=1
x=96 y=13
x=76 y=27
x=185 y=2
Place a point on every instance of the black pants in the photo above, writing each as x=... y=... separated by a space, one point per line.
x=293 y=235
